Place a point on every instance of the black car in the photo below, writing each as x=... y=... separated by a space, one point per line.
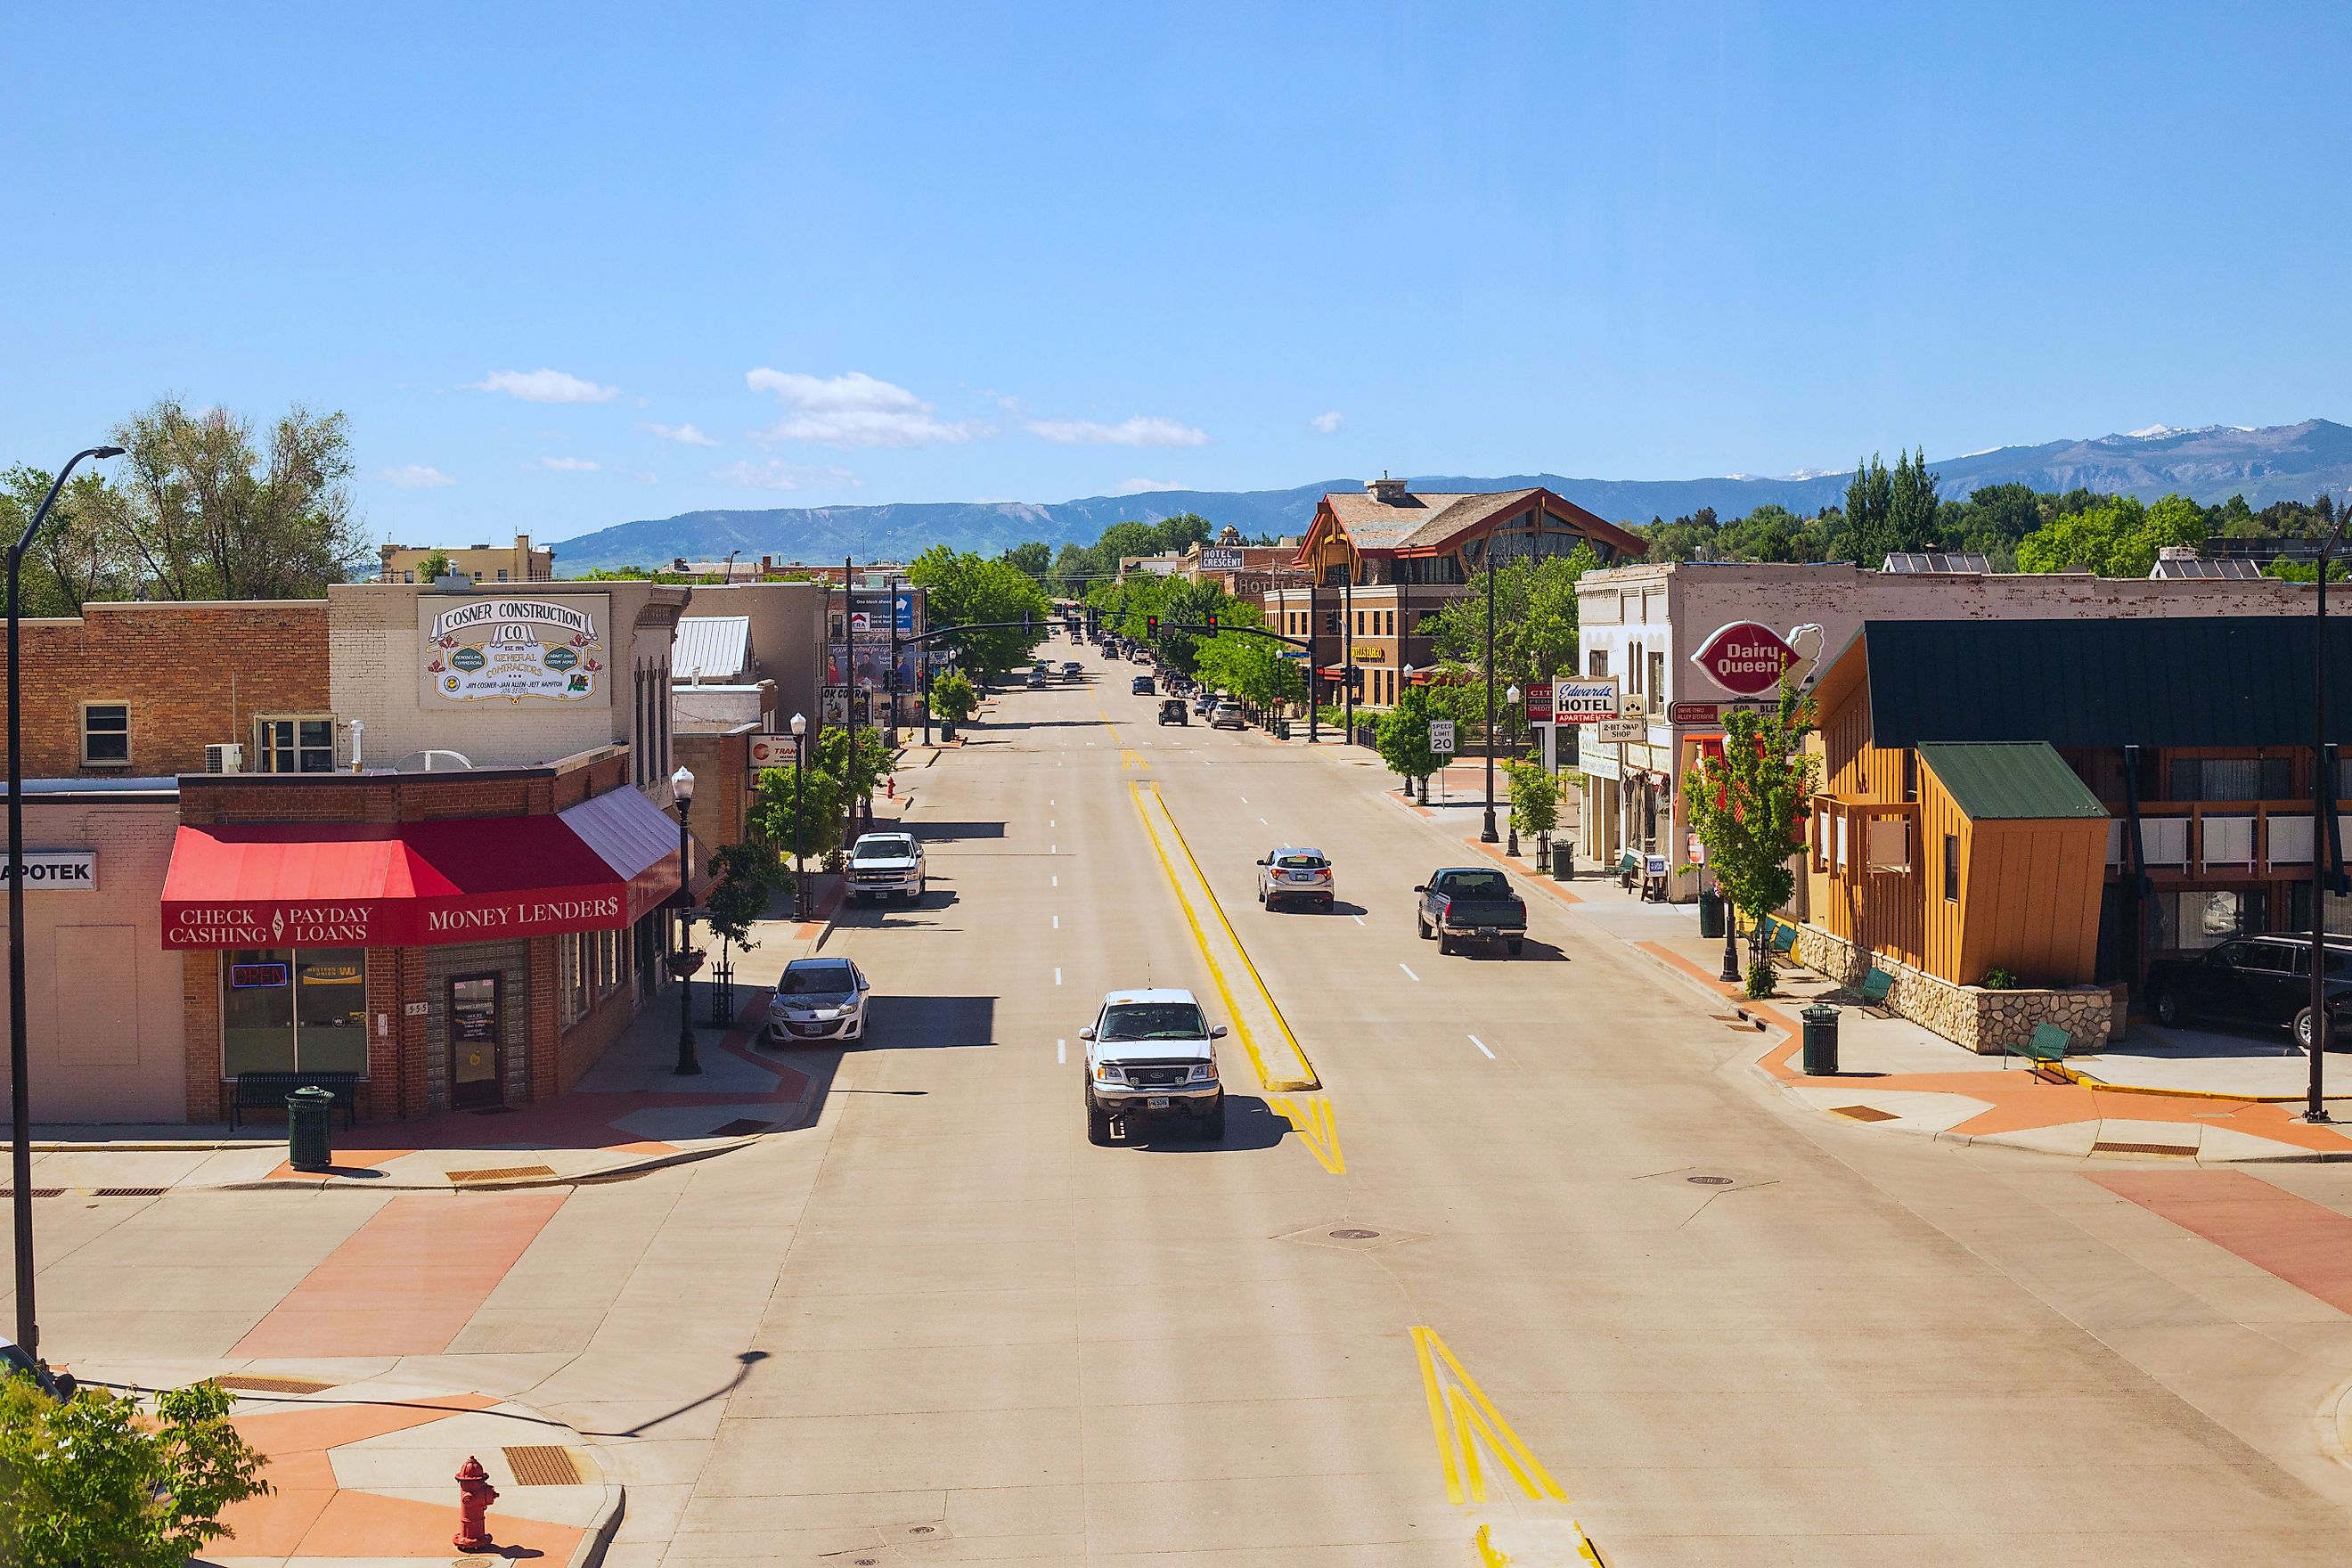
x=1471 y=903
x=2256 y=979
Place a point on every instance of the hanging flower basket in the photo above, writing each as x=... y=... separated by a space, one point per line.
x=686 y=964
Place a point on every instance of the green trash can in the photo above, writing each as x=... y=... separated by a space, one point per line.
x=1820 y=1040
x=307 y=1111
x=1710 y=916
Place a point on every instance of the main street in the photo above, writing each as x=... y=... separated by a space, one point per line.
x=1536 y=1253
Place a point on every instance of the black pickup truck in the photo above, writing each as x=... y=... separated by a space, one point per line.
x=1471 y=904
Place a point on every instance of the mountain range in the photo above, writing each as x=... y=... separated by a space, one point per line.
x=2279 y=462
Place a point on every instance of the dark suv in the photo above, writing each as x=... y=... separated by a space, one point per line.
x=2262 y=980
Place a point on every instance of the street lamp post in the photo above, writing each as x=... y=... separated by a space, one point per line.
x=2322 y=790
x=1347 y=643
x=1314 y=670
x=681 y=786
x=1511 y=705
x=28 y=1328
x=1487 y=834
x=800 y=759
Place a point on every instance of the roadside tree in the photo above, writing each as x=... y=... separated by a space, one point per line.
x=954 y=698
x=750 y=876
x=965 y=589
x=1402 y=739
x=822 y=807
x=1745 y=807
x=1535 y=797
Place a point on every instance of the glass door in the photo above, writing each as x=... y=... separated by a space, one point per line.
x=474 y=1041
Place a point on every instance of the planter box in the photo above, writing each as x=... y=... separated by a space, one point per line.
x=1986 y=1022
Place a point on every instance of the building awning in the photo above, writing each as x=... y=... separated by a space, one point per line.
x=600 y=866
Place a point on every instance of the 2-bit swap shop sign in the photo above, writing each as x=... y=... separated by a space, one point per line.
x=1745 y=658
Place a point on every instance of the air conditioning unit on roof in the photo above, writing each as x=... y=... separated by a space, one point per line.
x=224 y=759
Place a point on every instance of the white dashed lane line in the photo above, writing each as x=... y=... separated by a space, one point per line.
x=1482 y=1047
x=1406 y=967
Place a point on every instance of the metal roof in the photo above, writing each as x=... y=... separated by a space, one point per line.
x=2233 y=570
x=1912 y=562
x=1991 y=781
x=710 y=647
x=2235 y=681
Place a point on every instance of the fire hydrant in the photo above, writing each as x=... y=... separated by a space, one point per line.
x=475 y=1496
x=890 y=787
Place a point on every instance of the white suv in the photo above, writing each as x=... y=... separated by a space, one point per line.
x=1151 y=1053
x=881 y=863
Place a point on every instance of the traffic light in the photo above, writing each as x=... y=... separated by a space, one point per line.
x=1213 y=623
x=1356 y=680
x=1151 y=627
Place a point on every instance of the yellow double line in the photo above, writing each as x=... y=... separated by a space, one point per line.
x=1464 y=1422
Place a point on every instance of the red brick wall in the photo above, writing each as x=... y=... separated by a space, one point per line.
x=193 y=676
x=542 y=1033
x=201 y=977
x=721 y=765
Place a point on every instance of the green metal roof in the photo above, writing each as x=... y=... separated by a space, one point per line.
x=1991 y=780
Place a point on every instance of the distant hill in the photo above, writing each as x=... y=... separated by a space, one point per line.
x=2280 y=462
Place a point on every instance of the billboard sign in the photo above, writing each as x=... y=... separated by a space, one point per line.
x=1584 y=699
x=1745 y=658
x=771 y=752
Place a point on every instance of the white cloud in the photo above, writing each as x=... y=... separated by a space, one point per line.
x=852 y=410
x=569 y=465
x=416 y=477
x=1144 y=487
x=773 y=475
x=1328 y=424
x=686 y=434
x=1143 y=430
x=544 y=386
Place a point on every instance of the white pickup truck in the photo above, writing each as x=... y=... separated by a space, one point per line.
x=882 y=863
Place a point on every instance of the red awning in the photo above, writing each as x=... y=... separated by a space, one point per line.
x=416 y=884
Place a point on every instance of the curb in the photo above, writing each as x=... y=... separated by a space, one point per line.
x=646 y=1166
x=597 y=1542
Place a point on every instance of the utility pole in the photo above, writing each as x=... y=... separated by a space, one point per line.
x=1487 y=834
x=2322 y=823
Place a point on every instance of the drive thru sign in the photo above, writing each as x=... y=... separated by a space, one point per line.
x=1441 y=736
x=1586 y=699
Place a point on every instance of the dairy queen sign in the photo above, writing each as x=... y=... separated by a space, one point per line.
x=1745 y=658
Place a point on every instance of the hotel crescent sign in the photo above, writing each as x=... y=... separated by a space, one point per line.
x=1745 y=658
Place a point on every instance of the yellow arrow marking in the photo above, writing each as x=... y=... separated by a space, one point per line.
x=1460 y=1416
x=1315 y=1129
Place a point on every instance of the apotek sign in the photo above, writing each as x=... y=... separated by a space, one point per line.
x=53 y=870
x=1745 y=658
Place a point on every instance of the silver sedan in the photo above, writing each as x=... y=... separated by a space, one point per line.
x=818 y=999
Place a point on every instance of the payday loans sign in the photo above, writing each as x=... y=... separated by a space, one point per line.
x=518 y=652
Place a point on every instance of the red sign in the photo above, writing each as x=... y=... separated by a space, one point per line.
x=1539 y=702
x=1745 y=658
x=1693 y=714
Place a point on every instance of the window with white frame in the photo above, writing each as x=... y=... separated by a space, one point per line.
x=106 y=734
x=294 y=743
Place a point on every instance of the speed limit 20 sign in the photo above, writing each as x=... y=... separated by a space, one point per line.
x=1586 y=699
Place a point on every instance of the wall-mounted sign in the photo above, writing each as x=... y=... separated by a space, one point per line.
x=1221 y=558
x=1539 y=702
x=53 y=870
x=772 y=750
x=1370 y=653
x=550 y=652
x=1616 y=731
x=1584 y=699
x=1441 y=736
x=1744 y=657
x=1694 y=713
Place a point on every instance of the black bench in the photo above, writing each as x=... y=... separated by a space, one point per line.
x=267 y=1091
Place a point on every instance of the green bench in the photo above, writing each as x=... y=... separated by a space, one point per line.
x=1872 y=991
x=267 y=1091
x=2045 y=1049
x=1780 y=936
x=1629 y=866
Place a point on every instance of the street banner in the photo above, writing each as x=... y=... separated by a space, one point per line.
x=1584 y=699
x=1441 y=736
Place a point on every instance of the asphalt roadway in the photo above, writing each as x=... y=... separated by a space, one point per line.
x=1499 y=1255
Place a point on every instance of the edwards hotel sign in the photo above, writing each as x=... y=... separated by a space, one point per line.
x=415 y=840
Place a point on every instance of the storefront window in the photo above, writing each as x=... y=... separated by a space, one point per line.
x=2192 y=922
x=284 y=1010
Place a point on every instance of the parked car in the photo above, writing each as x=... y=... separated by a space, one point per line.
x=884 y=863
x=1471 y=904
x=1204 y=704
x=2255 y=980
x=1141 y=686
x=16 y=1360
x=1152 y=1053
x=1227 y=716
x=818 y=999
x=1289 y=873
x=1172 y=711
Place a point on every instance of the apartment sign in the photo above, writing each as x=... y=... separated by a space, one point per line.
x=1584 y=699
x=517 y=651
x=54 y=871
x=1745 y=658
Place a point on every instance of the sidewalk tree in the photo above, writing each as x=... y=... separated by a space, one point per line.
x=953 y=697
x=1535 y=797
x=1401 y=737
x=97 y=1479
x=750 y=876
x=821 y=808
x=1534 y=621
x=1746 y=806
x=857 y=765
x=965 y=589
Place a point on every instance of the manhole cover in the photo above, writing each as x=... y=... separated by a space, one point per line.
x=1354 y=1235
x=924 y=1530
x=1710 y=1181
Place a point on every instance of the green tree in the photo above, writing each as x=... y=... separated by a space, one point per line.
x=1535 y=797
x=1401 y=737
x=1535 y=620
x=200 y=511
x=1869 y=509
x=953 y=697
x=73 y=559
x=965 y=589
x=1031 y=560
x=95 y=1481
x=749 y=875
x=1910 y=505
x=823 y=807
x=1745 y=807
x=2118 y=537
x=857 y=760
x=433 y=567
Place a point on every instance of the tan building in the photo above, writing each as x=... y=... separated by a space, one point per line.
x=486 y=563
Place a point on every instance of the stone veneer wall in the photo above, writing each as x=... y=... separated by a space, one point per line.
x=1986 y=1022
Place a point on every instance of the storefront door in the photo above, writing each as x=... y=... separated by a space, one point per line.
x=475 y=1040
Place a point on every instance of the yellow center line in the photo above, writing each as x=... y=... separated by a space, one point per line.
x=1463 y=1421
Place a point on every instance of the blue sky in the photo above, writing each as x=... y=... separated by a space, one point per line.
x=956 y=252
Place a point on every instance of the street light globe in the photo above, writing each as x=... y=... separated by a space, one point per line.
x=1408 y=674
x=800 y=723
x=1511 y=694
x=681 y=784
